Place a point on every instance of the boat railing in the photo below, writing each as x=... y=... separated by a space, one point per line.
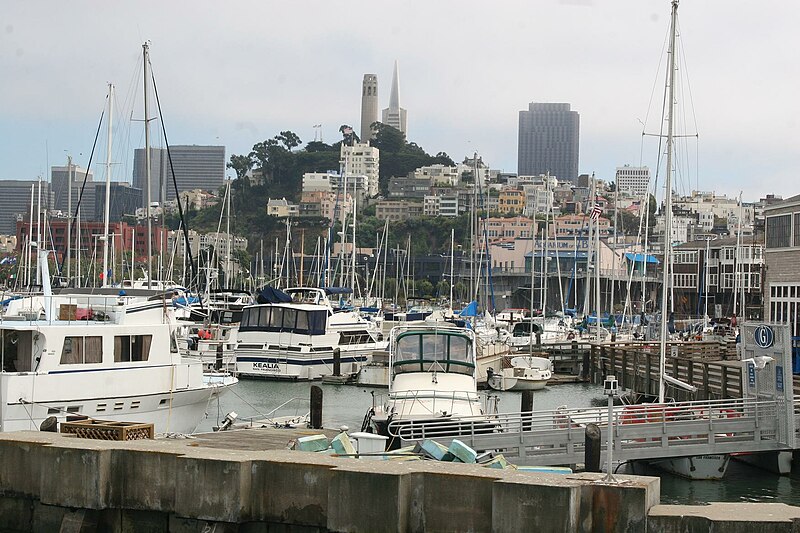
x=436 y=402
x=697 y=417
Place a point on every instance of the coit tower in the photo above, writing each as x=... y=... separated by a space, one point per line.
x=369 y=106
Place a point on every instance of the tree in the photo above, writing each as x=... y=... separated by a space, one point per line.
x=387 y=138
x=289 y=140
x=241 y=164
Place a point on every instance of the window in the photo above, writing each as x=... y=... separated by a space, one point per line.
x=796 y=230
x=778 y=231
x=129 y=348
x=82 y=350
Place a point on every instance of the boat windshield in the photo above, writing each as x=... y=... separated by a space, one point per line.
x=433 y=352
x=284 y=319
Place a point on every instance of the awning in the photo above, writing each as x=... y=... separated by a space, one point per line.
x=640 y=258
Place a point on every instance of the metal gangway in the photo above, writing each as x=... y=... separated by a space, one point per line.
x=644 y=431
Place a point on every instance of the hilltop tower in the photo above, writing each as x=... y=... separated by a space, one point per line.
x=394 y=115
x=369 y=106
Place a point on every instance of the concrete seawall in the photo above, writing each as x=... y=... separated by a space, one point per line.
x=49 y=482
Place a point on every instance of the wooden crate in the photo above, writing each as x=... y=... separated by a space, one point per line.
x=108 y=430
x=67 y=311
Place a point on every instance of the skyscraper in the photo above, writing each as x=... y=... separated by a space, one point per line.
x=369 y=105
x=196 y=167
x=394 y=115
x=548 y=141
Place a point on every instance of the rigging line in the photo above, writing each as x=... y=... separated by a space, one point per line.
x=175 y=184
x=85 y=179
x=652 y=94
x=693 y=109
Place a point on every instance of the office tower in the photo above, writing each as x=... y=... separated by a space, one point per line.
x=634 y=180
x=59 y=178
x=124 y=201
x=158 y=174
x=369 y=106
x=16 y=204
x=394 y=115
x=196 y=167
x=548 y=141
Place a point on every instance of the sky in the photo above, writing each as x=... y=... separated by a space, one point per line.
x=236 y=73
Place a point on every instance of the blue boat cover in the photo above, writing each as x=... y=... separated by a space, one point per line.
x=271 y=295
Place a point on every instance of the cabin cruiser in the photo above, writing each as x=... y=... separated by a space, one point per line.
x=299 y=334
x=433 y=379
x=103 y=356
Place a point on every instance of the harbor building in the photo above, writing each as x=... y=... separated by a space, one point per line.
x=782 y=258
x=195 y=166
x=633 y=180
x=548 y=141
x=369 y=106
x=394 y=115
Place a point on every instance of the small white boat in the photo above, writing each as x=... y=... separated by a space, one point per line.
x=525 y=373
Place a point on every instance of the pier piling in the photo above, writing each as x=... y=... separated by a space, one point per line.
x=316 y=407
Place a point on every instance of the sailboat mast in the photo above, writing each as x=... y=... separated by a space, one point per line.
x=70 y=170
x=229 y=237
x=148 y=185
x=108 y=183
x=452 y=260
x=667 y=206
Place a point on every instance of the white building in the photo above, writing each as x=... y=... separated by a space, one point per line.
x=281 y=208
x=445 y=205
x=707 y=206
x=538 y=200
x=633 y=180
x=440 y=174
x=362 y=163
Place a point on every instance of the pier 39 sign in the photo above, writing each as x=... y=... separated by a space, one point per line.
x=764 y=336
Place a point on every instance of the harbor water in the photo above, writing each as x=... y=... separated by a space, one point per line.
x=346 y=405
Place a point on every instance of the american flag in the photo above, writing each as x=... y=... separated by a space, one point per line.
x=596 y=212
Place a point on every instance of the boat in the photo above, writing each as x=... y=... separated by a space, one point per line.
x=433 y=379
x=297 y=334
x=523 y=373
x=117 y=362
x=699 y=467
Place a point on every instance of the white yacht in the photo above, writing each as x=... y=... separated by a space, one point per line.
x=298 y=335
x=433 y=377
x=118 y=361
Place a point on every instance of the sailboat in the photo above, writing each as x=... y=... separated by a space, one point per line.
x=704 y=467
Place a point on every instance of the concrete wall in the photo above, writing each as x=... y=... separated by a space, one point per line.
x=49 y=481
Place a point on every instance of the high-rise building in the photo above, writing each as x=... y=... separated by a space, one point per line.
x=634 y=180
x=16 y=204
x=59 y=178
x=369 y=106
x=196 y=167
x=548 y=141
x=158 y=174
x=124 y=201
x=394 y=115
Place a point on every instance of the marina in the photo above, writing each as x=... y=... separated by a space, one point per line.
x=353 y=334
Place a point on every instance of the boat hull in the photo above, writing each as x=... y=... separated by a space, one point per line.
x=298 y=366
x=170 y=412
x=696 y=467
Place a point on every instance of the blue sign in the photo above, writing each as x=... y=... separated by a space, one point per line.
x=764 y=336
x=779 y=378
x=751 y=375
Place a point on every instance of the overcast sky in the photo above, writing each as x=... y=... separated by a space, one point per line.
x=236 y=73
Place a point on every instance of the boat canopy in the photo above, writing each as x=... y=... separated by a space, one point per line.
x=288 y=319
x=338 y=290
x=271 y=295
x=431 y=351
